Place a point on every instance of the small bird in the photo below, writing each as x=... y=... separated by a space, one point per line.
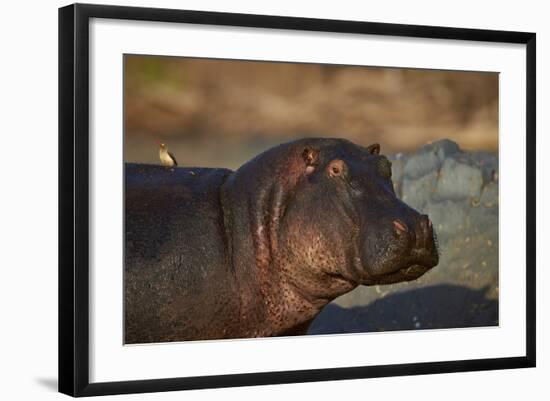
x=167 y=158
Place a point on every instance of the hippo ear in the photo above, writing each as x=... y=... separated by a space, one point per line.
x=374 y=149
x=310 y=159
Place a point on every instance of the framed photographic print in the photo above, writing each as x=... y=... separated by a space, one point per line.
x=250 y=199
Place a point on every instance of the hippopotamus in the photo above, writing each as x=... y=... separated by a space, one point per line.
x=212 y=253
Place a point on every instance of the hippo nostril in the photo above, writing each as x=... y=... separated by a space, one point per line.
x=400 y=227
x=425 y=231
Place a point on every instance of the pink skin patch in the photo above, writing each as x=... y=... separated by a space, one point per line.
x=309 y=156
x=399 y=226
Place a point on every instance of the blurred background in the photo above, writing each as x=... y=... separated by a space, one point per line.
x=220 y=113
x=439 y=128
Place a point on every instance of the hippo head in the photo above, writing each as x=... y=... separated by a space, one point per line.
x=325 y=212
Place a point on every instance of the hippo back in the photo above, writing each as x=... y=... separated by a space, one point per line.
x=174 y=246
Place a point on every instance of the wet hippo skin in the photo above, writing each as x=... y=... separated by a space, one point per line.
x=212 y=254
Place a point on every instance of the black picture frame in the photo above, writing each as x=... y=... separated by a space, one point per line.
x=74 y=198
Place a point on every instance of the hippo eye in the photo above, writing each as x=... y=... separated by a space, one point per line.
x=336 y=168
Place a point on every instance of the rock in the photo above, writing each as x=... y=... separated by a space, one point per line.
x=398 y=166
x=448 y=217
x=422 y=163
x=489 y=195
x=429 y=158
x=459 y=181
x=417 y=192
x=445 y=148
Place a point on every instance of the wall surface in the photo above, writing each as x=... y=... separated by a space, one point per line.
x=28 y=205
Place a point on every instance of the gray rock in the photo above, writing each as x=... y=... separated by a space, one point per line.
x=418 y=192
x=422 y=163
x=489 y=167
x=483 y=220
x=398 y=167
x=429 y=158
x=445 y=148
x=448 y=217
x=489 y=195
x=459 y=181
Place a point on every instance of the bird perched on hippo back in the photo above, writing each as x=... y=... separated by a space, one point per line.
x=167 y=158
x=260 y=251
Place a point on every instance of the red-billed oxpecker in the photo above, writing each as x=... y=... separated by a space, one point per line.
x=167 y=158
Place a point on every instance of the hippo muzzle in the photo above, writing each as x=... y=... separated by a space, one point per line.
x=402 y=247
